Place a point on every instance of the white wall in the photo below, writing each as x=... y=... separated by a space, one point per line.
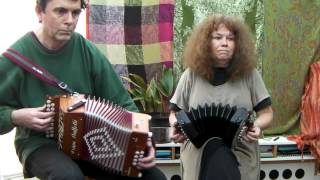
x=16 y=18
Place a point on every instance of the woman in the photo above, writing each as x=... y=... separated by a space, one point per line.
x=220 y=59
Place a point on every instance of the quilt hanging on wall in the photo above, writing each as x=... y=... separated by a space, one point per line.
x=135 y=35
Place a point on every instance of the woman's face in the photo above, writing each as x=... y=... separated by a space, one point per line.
x=222 y=46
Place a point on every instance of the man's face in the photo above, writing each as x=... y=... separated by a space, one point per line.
x=59 y=20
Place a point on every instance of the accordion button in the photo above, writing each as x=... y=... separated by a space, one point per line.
x=141 y=152
x=135 y=156
x=137 y=152
x=134 y=139
x=134 y=164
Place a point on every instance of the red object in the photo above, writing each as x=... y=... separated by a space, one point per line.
x=310 y=113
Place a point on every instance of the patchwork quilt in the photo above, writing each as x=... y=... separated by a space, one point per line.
x=135 y=35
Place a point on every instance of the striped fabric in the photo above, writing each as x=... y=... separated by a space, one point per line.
x=135 y=35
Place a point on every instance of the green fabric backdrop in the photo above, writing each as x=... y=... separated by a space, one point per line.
x=287 y=40
x=189 y=13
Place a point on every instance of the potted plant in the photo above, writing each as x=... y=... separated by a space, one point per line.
x=153 y=98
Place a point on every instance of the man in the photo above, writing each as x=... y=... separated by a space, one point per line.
x=70 y=58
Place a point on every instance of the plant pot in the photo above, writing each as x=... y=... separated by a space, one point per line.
x=161 y=134
x=160 y=128
x=159 y=119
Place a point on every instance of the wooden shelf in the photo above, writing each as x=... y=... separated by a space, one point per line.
x=270 y=142
x=174 y=161
x=168 y=145
x=173 y=150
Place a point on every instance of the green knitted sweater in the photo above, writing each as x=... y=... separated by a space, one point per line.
x=79 y=64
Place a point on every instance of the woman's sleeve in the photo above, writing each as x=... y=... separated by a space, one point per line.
x=181 y=95
x=259 y=92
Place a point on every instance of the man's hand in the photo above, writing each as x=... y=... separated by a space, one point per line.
x=33 y=118
x=149 y=160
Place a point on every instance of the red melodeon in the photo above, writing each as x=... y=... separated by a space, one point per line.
x=100 y=132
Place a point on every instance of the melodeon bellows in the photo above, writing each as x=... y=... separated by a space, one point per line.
x=208 y=121
x=100 y=132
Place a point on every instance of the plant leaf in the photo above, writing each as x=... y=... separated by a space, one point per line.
x=138 y=80
x=166 y=82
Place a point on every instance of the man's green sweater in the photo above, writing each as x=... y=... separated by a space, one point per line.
x=79 y=64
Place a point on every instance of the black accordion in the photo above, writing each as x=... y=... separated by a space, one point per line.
x=99 y=132
x=220 y=121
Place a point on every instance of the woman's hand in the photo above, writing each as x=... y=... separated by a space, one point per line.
x=252 y=134
x=175 y=133
x=263 y=121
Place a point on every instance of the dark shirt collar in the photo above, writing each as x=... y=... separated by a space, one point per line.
x=221 y=75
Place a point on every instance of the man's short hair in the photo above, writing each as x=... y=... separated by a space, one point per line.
x=43 y=4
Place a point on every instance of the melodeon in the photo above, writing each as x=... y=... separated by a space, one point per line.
x=208 y=121
x=100 y=132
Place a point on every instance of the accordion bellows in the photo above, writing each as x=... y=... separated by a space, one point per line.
x=100 y=132
x=209 y=121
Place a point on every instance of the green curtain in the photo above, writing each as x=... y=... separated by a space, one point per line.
x=287 y=41
x=292 y=38
x=188 y=13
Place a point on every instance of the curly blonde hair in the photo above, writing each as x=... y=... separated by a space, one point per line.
x=197 y=54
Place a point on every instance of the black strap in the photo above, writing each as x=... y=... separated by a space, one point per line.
x=36 y=70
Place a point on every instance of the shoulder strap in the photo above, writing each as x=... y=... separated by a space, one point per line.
x=36 y=70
